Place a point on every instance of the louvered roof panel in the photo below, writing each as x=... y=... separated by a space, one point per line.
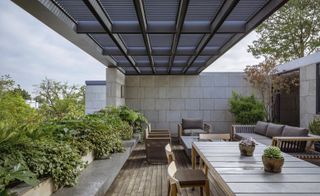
x=152 y=36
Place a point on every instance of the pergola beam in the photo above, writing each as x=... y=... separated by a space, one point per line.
x=102 y=17
x=252 y=23
x=139 y=7
x=182 y=11
x=223 y=13
x=159 y=27
x=160 y=51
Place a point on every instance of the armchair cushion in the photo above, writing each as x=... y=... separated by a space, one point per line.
x=261 y=128
x=290 y=131
x=195 y=132
x=192 y=124
x=274 y=130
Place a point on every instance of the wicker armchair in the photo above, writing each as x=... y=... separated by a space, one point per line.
x=196 y=126
x=300 y=147
x=155 y=145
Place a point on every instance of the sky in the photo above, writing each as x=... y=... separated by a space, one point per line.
x=30 y=51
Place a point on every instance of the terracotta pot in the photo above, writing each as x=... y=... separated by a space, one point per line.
x=246 y=150
x=272 y=165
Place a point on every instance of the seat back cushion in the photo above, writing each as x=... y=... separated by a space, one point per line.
x=274 y=130
x=261 y=128
x=192 y=123
x=290 y=131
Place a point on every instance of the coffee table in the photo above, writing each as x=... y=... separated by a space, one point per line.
x=187 y=143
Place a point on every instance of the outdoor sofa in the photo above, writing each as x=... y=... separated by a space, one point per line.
x=294 y=140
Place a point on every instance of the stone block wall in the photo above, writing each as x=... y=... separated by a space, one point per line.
x=307 y=94
x=165 y=100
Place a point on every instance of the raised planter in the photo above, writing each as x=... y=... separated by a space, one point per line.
x=46 y=187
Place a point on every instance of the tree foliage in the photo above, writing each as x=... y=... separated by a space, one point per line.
x=290 y=33
x=267 y=82
x=60 y=100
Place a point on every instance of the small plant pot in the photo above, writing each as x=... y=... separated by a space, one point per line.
x=246 y=150
x=272 y=165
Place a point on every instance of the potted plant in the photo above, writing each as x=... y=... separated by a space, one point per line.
x=272 y=159
x=314 y=128
x=247 y=146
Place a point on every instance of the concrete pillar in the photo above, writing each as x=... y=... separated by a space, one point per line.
x=115 y=84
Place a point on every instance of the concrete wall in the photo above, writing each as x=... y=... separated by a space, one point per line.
x=95 y=96
x=307 y=94
x=115 y=81
x=166 y=99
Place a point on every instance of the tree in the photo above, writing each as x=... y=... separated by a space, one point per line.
x=290 y=33
x=265 y=78
x=7 y=84
x=60 y=100
x=14 y=112
x=23 y=93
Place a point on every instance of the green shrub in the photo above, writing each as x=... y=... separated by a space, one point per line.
x=55 y=159
x=273 y=152
x=12 y=169
x=246 y=109
x=314 y=126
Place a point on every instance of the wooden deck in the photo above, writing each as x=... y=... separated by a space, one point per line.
x=137 y=177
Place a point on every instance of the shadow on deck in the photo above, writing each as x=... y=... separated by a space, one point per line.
x=138 y=177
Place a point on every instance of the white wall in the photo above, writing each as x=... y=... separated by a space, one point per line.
x=165 y=100
x=95 y=96
x=115 y=81
x=307 y=94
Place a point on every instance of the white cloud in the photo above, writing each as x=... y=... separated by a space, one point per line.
x=237 y=58
x=30 y=51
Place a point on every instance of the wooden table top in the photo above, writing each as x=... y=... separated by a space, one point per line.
x=242 y=176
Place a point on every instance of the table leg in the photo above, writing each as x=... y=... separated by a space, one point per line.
x=193 y=158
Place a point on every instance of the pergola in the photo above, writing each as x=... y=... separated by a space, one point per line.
x=153 y=36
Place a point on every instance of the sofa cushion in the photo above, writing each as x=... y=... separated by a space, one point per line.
x=259 y=138
x=261 y=128
x=192 y=123
x=290 y=131
x=274 y=130
x=194 y=132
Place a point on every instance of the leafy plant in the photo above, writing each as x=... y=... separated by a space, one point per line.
x=55 y=159
x=314 y=126
x=13 y=169
x=273 y=152
x=246 y=110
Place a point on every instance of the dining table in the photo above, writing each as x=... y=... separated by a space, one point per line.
x=231 y=174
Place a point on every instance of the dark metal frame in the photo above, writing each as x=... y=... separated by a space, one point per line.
x=131 y=65
x=222 y=14
x=97 y=10
x=182 y=11
x=139 y=6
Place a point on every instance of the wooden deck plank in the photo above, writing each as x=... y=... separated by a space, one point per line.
x=139 y=178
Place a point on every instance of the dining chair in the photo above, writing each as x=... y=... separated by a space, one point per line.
x=183 y=178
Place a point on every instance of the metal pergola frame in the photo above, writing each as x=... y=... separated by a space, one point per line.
x=195 y=57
